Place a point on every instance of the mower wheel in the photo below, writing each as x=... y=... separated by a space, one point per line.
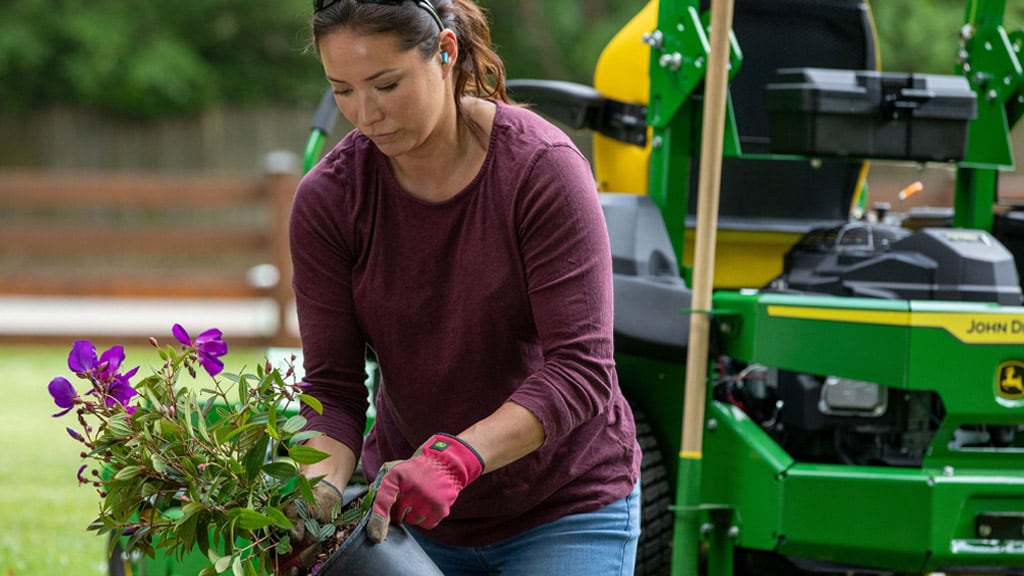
x=654 y=551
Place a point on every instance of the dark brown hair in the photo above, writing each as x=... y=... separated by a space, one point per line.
x=478 y=71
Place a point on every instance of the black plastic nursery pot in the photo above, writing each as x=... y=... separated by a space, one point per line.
x=399 y=555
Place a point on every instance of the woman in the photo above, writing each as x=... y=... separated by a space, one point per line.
x=460 y=238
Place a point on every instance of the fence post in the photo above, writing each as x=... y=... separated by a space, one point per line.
x=281 y=170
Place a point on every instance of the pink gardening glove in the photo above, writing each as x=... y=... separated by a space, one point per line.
x=422 y=489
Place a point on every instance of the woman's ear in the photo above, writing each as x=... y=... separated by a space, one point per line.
x=449 y=51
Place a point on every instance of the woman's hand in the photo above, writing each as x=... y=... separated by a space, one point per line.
x=422 y=489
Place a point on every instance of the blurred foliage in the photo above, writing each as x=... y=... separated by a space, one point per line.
x=924 y=35
x=162 y=59
x=148 y=59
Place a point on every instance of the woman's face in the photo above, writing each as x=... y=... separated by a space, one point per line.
x=394 y=97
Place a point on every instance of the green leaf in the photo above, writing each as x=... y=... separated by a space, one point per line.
x=284 y=546
x=212 y=556
x=280 y=470
x=186 y=532
x=209 y=571
x=222 y=564
x=127 y=473
x=239 y=430
x=159 y=464
x=202 y=423
x=168 y=426
x=312 y=402
x=305 y=435
x=306 y=490
x=247 y=519
x=278 y=518
x=243 y=390
x=203 y=537
x=111 y=543
x=119 y=428
x=190 y=509
x=272 y=424
x=306 y=455
x=293 y=424
x=208 y=405
x=186 y=417
x=236 y=566
x=326 y=531
x=141 y=534
x=256 y=456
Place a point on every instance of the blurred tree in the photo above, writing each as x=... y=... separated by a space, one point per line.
x=923 y=35
x=161 y=58
x=148 y=59
x=556 y=40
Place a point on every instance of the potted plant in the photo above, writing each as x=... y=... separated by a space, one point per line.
x=180 y=467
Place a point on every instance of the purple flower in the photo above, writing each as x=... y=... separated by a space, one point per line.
x=102 y=370
x=209 y=347
x=82 y=359
x=64 y=394
x=75 y=434
x=121 y=392
x=110 y=361
x=82 y=479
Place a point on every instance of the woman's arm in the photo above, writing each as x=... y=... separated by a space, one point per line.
x=505 y=436
x=338 y=467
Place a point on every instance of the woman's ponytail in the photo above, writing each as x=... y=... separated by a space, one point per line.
x=479 y=71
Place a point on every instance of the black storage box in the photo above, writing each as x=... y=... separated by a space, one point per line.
x=869 y=114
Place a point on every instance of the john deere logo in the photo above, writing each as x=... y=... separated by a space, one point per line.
x=1010 y=383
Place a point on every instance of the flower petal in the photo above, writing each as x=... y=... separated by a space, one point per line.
x=181 y=335
x=83 y=357
x=63 y=392
x=210 y=363
x=111 y=360
x=211 y=335
x=121 y=393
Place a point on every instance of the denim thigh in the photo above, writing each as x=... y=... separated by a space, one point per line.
x=600 y=542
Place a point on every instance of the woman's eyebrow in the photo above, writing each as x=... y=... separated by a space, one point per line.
x=369 y=78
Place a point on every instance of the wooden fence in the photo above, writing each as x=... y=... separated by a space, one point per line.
x=82 y=238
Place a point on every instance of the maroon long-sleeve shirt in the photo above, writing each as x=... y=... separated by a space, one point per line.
x=501 y=293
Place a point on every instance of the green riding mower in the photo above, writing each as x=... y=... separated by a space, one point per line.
x=854 y=402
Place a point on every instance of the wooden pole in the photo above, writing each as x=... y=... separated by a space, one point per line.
x=709 y=186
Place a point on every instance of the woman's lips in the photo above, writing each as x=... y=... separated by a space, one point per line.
x=383 y=138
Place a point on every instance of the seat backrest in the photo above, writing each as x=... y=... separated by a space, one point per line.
x=776 y=34
x=772 y=34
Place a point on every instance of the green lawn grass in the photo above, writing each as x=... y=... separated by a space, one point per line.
x=43 y=510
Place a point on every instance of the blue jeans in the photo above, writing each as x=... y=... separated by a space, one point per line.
x=600 y=542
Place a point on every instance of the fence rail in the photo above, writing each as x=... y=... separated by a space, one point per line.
x=82 y=238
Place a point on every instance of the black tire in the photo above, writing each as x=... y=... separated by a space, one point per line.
x=654 y=550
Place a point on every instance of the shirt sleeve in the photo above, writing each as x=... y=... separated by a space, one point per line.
x=333 y=347
x=566 y=253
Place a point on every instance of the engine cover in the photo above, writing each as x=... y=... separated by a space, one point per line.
x=881 y=261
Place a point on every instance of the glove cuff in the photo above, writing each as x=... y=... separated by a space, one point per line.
x=457 y=454
x=332 y=487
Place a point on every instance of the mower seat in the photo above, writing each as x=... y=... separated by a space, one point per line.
x=651 y=299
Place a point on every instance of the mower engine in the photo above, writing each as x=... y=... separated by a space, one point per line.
x=822 y=418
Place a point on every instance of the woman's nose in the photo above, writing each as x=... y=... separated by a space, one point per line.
x=369 y=109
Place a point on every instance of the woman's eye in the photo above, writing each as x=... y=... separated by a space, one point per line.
x=342 y=92
x=388 y=87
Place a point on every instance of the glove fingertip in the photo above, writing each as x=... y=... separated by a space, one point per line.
x=377 y=528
